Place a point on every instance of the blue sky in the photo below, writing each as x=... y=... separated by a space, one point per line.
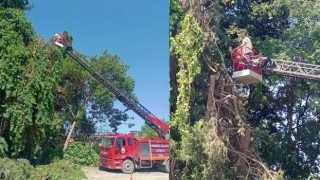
x=137 y=31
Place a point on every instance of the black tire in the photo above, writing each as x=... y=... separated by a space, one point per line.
x=127 y=166
x=101 y=168
x=157 y=166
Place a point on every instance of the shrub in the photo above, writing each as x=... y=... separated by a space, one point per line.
x=3 y=147
x=81 y=154
x=21 y=169
x=49 y=155
x=15 y=169
x=57 y=170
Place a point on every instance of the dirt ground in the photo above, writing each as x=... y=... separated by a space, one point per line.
x=93 y=173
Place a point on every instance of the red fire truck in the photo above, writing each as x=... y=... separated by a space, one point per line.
x=125 y=152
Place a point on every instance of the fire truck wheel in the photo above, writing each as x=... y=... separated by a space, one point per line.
x=127 y=166
x=101 y=168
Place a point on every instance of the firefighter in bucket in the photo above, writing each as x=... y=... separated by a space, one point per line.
x=60 y=39
x=246 y=49
x=246 y=54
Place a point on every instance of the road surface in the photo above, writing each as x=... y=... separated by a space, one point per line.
x=93 y=173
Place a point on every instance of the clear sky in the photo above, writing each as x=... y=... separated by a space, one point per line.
x=137 y=31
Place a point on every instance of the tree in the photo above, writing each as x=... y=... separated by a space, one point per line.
x=17 y=4
x=85 y=99
x=211 y=121
x=43 y=92
x=102 y=101
x=286 y=110
x=147 y=132
x=29 y=71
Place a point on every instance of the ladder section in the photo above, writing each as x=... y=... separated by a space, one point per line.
x=150 y=119
x=292 y=69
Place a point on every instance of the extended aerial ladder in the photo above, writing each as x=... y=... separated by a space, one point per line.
x=151 y=120
x=249 y=70
x=292 y=69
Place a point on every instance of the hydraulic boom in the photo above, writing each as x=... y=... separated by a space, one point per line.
x=293 y=69
x=151 y=120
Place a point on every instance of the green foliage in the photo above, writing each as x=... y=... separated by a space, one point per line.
x=21 y=169
x=102 y=99
x=59 y=170
x=315 y=176
x=288 y=117
x=283 y=111
x=42 y=90
x=81 y=154
x=29 y=72
x=15 y=169
x=187 y=46
x=17 y=4
x=79 y=93
x=196 y=145
x=176 y=15
x=210 y=153
x=50 y=155
x=147 y=132
x=3 y=147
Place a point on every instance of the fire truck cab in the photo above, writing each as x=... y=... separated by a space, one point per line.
x=127 y=153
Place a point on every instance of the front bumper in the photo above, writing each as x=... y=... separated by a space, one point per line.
x=110 y=163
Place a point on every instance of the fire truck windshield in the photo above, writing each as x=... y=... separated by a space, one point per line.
x=108 y=142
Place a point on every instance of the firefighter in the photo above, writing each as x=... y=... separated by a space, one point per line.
x=246 y=47
x=60 y=38
x=246 y=44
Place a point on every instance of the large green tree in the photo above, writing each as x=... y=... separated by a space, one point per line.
x=43 y=91
x=29 y=71
x=84 y=100
x=283 y=112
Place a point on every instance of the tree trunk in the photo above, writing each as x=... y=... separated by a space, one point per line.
x=69 y=135
x=211 y=108
x=173 y=83
x=245 y=140
x=244 y=143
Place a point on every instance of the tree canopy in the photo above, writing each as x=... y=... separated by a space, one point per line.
x=16 y=4
x=278 y=118
x=43 y=91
